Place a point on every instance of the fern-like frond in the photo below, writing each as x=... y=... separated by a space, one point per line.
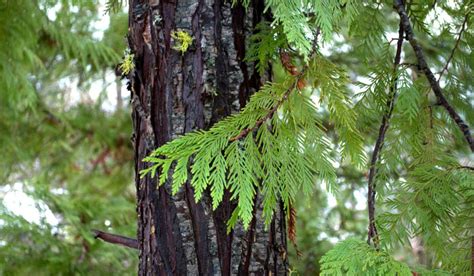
x=355 y=257
x=276 y=155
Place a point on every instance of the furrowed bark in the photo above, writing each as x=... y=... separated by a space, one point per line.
x=160 y=242
x=222 y=107
x=174 y=93
x=192 y=88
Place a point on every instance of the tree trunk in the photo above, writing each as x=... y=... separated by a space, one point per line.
x=174 y=93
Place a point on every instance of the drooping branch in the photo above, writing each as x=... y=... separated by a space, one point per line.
x=404 y=19
x=384 y=125
x=456 y=45
x=116 y=239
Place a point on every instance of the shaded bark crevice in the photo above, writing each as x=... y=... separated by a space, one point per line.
x=238 y=27
x=249 y=240
x=222 y=105
x=160 y=244
x=283 y=246
x=192 y=71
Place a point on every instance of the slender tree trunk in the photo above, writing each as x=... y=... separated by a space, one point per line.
x=174 y=93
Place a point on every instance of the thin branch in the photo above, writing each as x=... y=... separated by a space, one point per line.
x=299 y=79
x=101 y=158
x=270 y=114
x=407 y=64
x=456 y=45
x=116 y=239
x=384 y=125
x=400 y=7
x=392 y=40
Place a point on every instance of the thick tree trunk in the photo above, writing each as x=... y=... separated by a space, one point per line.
x=174 y=93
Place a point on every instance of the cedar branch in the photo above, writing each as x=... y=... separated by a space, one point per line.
x=456 y=45
x=299 y=78
x=270 y=114
x=404 y=19
x=384 y=125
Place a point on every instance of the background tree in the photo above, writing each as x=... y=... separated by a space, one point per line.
x=65 y=148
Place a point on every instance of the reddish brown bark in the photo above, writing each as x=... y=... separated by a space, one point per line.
x=174 y=93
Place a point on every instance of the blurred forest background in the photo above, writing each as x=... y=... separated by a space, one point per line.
x=66 y=164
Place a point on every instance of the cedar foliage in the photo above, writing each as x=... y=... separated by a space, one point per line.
x=424 y=184
x=353 y=257
x=51 y=146
x=424 y=188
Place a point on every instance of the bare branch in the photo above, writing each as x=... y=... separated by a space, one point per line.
x=116 y=239
x=407 y=64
